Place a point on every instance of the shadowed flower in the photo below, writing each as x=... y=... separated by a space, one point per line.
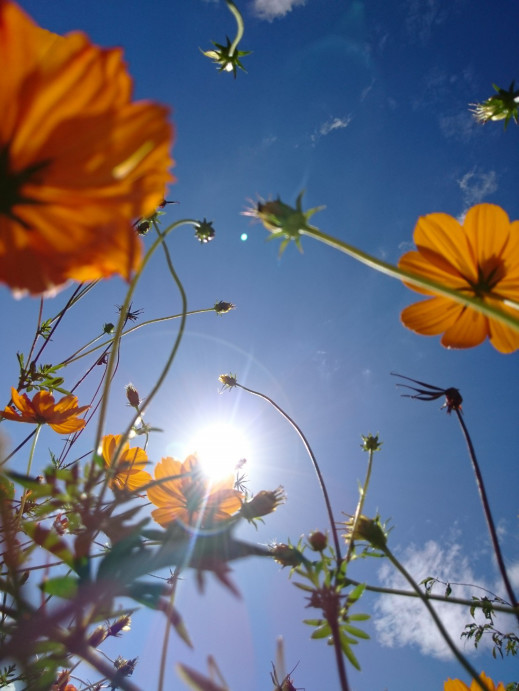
x=78 y=159
x=263 y=503
x=282 y=220
x=128 y=471
x=191 y=498
x=61 y=416
x=479 y=258
x=457 y=685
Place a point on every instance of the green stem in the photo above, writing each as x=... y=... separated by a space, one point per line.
x=118 y=333
x=29 y=464
x=314 y=462
x=488 y=514
x=485 y=308
x=165 y=642
x=239 y=21
x=77 y=356
x=439 y=624
x=360 y=505
x=160 y=241
x=431 y=596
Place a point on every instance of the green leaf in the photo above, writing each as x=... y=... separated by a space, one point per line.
x=314 y=622
x=354 y=631
x=197 y=681
x=359 y=617
x=346 y=649
x=61 y=586
x=322 y=632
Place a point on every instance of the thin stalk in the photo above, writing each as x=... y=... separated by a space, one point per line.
x=29 y=464
x=313 y=459
x=240 y=26
x=77 y=356
x=118 y=331
x=165 y=642
x=439 y=624
x=488 y=514
x=360 y=505
x=431 y=596
x=489 y=310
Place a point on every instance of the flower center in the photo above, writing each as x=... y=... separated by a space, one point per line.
x=489 y=274
x=12 y=183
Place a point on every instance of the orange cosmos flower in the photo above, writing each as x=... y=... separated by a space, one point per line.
x=457 y=685
x=78 y=159
x=479 y=258
x=192 y=500
x=128 y=472
x=61 y=416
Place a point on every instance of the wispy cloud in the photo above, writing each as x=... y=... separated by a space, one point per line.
x=272 y=9
x=404 y=621
x=329 y=126
x=477 y=186
x=423 y=16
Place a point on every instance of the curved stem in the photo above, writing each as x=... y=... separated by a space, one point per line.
x=240 y=28
x=314 y=462
x=485 y=308
x=488 y=514
x=439 y=624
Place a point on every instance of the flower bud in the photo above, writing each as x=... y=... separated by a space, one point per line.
x=204 y=231
x=132 y=396
x=318 y=541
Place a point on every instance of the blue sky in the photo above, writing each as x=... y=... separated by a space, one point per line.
x=365 y=106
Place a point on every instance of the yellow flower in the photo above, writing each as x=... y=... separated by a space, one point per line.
x=457 y=685
x=479 y=258
x=128 y=472
x=78 y=159
x=192 y=499
x=61 y=416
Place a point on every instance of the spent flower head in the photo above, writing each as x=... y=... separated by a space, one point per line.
x=503 y=105
x=368 y=530
x=227 y=57
x=262 y=504
x=222 y=307
x=228 y=381
x=283 y=220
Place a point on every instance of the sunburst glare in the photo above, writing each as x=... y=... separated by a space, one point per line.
x=220 y=447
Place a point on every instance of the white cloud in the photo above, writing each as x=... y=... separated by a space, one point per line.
x=329 y=126
x=271 y=9
x=403 y=621
x=476 y=186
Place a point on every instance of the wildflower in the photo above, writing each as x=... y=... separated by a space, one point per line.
x=286 y=555
x=128 y=471
x=204 y=231
x=262 y=504
x=61 y=416
x=503 y=105
x=457 y=685
x=226 y=57
x=283 y=220
x=479 y=258
x=78 y=159
x=370 y=442
x=189 y=497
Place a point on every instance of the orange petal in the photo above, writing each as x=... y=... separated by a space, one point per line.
x=440 y=239
x=469 y=330
x=431 y=317
x=487 y=228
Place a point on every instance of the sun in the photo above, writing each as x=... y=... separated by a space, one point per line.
x=219 y=448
